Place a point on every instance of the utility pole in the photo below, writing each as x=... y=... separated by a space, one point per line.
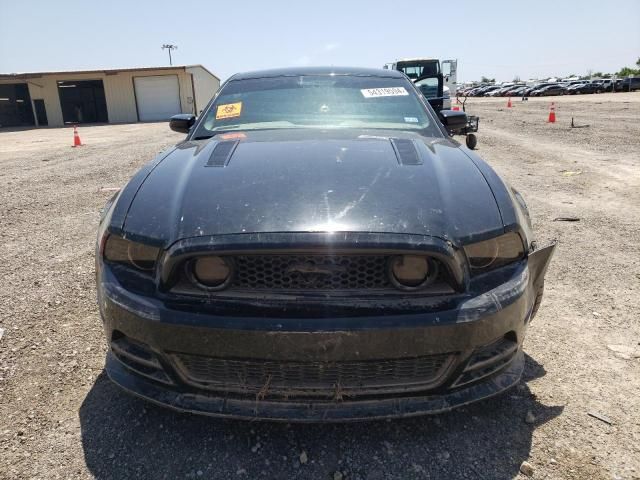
x=168 y=46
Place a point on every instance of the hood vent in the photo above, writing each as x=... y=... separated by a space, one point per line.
x=221 y=154
x=406 y=151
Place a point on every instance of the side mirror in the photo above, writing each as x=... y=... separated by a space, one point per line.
x=182 y=123
x=453 y=119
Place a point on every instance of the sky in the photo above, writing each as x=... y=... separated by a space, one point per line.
x=499 y=39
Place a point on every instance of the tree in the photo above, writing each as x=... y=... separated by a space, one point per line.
x=484 y=79
x=628 y=71
x=516 y=79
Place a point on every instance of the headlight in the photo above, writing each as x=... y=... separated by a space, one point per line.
x=411 y=272
x=495 y=252
x=138 y=255
x=210 y=273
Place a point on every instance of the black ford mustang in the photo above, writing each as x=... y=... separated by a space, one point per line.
x=317 y=249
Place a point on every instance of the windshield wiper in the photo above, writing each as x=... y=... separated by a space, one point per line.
x=202 y=137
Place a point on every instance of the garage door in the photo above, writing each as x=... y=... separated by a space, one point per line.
x=158 y=97
x=15 y=105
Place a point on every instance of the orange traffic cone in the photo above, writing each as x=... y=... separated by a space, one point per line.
x=509 y=103
x=76 y=137
x=552 y=113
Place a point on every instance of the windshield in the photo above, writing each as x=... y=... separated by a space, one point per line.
x=415 y=70
x=317 y=101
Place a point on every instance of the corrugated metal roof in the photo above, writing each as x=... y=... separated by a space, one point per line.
x=106 y=71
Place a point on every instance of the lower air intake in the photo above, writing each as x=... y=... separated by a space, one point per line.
x=488 y=360
x=326 y=380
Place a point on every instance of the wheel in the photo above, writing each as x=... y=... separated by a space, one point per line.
x=472 y=141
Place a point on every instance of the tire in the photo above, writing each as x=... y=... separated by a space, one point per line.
x=471 y=141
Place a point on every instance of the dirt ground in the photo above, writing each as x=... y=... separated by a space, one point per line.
x=60 y=417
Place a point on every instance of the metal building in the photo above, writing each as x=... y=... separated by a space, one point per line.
x=125 y=95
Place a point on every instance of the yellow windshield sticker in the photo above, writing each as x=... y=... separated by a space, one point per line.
x=229 y=110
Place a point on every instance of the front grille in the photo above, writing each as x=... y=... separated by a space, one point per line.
x=327 y=380
x=321 y=275
x=301 y=272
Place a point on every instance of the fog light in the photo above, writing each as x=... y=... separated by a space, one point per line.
x=211 y=273
x=410 y=272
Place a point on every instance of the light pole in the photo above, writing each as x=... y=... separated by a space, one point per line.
x=168 y=46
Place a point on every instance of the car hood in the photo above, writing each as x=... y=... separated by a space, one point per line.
x=313 y=181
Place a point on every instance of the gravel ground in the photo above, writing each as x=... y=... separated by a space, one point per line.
x=60 y=417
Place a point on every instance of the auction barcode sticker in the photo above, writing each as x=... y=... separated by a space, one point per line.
x=384 y=92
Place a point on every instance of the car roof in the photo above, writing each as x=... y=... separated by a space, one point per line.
x=301 y=71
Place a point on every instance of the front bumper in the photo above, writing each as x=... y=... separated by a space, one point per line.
x=291 y=411
x=495 y=319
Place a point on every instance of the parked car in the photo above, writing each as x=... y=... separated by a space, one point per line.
x=586 y=87
x=549 y=90
x=496 y=92
x=537 y=86
x=503 y=91
x=630 y=84
x=518 y=92
x=603 y=85
x=318 y=248
x=511 y=91
x=483 y=91
x=566 y=85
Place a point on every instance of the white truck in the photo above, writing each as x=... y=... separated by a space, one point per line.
x=437 y=79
